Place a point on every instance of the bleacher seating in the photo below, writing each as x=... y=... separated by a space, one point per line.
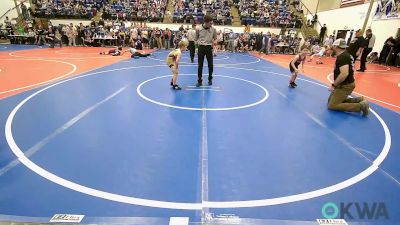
x=266 y=13
x=138 y=10
x=135 y=10
x=68 y=9
x=194 y=11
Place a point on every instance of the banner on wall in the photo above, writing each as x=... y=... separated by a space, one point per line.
x=345 y=3
x=387 y=9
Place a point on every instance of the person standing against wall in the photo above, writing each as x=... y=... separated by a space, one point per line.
x=205 y=37
x=322 y=33
x=24 y=10
x=191 y=36
x=231 y=41
x=157 y=34
x=167 y=38
x=369 y=45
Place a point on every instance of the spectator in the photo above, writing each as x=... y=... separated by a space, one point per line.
x=373 y=58
x=357 y=44
x=167 y=38
x=266 y=13
x=193 y=12
x=136 y=10
x=72 y=9
x=369 y=45
x=315 y=48
x=7 y=21
x=329 y=41
x=266 y=43
x=247 y=29
x=54 y=37
x=24 y=11
x=72 y=33
x=40 y=36
x=231 y=42
x=394 y=53
x=192 y=39
x=88 y=39
x=322 y=33
x=314 y=20
x=158 y=38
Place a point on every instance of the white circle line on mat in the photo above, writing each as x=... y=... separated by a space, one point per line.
x=188 y=206
x=43 y=82
x=266 y=95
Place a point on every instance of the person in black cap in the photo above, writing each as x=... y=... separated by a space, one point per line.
x=343 y=84
x=205 y=37
x=357 y=44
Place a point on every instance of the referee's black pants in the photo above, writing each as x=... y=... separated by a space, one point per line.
x=205 y=50
x=192 y=50
x=364 y=56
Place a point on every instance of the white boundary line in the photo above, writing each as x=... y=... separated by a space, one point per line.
x=215 y=64
x=204 y=89
x=379 y=74
x=204 y=158
x=215 y=58
x=188 y=206
x=307 y=65
x=328 y=77
x=12 y=54
x=61 y=52
x=32 y=150
x=44 y=82
x=138 y=90
x=218 y=57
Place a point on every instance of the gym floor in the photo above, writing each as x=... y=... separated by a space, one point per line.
x=106 y=137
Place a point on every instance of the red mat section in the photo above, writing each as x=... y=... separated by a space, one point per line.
x=380 y=84
x=23 y=70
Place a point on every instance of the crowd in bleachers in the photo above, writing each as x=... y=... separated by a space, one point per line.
x=193 y=11
x=67 y=9
x=113 y=31
x=269 y=13
x=140 y=36
x=132 y=10
x=117 y=32
x=108 y=32
x=135 y=10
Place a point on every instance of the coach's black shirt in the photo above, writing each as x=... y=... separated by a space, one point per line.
x=341 y=60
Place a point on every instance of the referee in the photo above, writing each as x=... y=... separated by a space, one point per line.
x=205 y=36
